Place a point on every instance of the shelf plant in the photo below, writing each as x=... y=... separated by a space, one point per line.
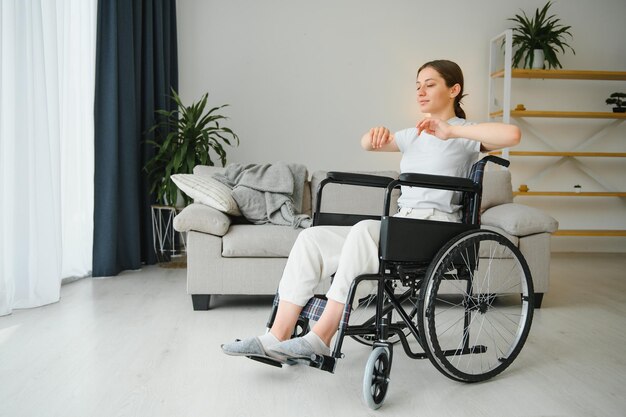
x=185 y=137
x=619 y=100
x=540 y=32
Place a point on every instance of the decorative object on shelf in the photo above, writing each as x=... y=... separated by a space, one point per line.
x=184 y=138
x=523 y=188
x=577 y=188
x=619 y=100
x=520 y=107
x=169 y=245
x=542 y=33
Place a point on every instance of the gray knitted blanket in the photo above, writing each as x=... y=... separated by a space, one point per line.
x=269 y=193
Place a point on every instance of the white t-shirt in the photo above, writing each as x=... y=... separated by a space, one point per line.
x=427 y=154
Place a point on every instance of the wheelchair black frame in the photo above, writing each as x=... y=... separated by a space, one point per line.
x=381 y=328
x=393 y=271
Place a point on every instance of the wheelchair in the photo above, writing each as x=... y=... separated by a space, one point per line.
x=462 y=294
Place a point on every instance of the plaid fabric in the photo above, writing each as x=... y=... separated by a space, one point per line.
x=314 y=308
x=476 y=175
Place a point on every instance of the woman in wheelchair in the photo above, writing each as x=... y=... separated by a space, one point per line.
x=442 y=144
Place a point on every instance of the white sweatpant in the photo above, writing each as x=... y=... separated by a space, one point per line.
x=346 y=251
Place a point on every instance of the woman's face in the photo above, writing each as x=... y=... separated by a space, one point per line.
x=433 y=96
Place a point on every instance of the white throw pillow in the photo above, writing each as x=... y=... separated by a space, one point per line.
x=519 y=220
x=208 y=191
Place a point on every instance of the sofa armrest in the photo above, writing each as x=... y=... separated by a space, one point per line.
x=202 y=218
x=519 y=220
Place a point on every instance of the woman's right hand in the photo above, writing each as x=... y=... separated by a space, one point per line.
x=379 y=137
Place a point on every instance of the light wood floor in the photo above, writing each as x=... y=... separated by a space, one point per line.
x=133 y=346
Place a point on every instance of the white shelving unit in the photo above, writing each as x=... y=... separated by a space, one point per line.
x=500 y=109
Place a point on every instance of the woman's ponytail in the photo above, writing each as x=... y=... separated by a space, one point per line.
x=458 y=111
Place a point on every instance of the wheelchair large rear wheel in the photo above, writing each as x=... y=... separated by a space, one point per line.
x=476 y=306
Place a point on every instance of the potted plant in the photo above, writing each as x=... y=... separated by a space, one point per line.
x=619 y=100
x=537 y=36
x=184 y=138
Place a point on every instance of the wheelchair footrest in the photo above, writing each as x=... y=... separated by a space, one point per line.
x=267 y=361
x=323 y=362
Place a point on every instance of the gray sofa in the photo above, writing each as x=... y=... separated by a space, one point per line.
x=227 y=256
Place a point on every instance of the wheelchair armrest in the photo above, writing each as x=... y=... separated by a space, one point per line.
x=438 y=181
x=352 y=178
x=346 y=178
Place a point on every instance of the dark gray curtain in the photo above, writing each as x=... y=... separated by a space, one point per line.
x=136 y=65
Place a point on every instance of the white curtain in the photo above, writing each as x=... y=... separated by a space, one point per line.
x=47 y=75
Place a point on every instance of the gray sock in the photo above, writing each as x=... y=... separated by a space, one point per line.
x=317 y=344
x=299 y=348
x=268 y=339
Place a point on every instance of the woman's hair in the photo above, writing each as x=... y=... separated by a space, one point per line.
x=452 y=74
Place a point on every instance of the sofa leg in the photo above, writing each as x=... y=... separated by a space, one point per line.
x=538 y=299
x=200 y=301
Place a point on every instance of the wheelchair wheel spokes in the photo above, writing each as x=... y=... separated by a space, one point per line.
x=476 y=306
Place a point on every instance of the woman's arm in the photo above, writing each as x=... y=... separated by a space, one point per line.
x=492 y=136
x=379 y=139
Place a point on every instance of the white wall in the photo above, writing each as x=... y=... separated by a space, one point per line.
x=306 y=79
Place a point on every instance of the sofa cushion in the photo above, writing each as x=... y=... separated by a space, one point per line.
x=208 y=191
x=497 y=189
x=338 y=198
x=259 y=241
x=202 y=218
x=519 y=220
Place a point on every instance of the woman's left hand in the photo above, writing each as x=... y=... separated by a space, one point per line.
x=435 y=127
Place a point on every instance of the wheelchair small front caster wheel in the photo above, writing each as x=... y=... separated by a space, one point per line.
x=376 y=378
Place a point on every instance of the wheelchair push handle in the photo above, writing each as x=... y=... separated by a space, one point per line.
x=496 y=160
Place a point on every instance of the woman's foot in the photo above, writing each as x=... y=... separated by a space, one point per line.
x=300 y=347
x=258 y=346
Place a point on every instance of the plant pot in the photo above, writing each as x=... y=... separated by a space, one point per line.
x=180 y=200
x=538 y=59
x=619 y=109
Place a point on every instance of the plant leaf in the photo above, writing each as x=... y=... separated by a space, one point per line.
x=541 y=31
x=183 y=137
